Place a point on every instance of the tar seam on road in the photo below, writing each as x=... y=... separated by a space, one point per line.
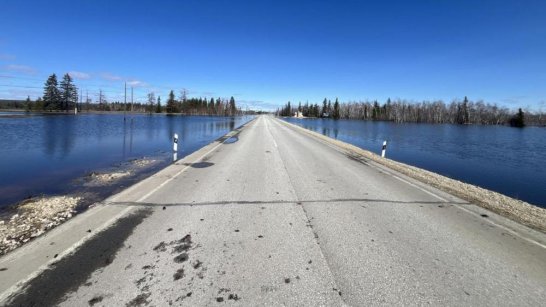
x=306 y=216
x=254 y=202
x=67 y=274
x=24 y=282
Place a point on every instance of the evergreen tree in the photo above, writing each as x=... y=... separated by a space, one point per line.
x=68 y=92
x=39 y=104
x=52 y=96
x=324 y=108
x=171 y=103
x=28 y=104
x=336 y=110
x=462 y=116
x=518 y=120
x=232 y=107
x=466 y=117
x=375 y=110
x=158 y=106
x=210 y=107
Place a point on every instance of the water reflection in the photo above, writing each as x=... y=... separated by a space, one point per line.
x=60 y=136
x=127 y=146
x=488 y=156
x=59 y=148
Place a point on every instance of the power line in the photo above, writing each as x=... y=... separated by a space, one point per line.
x=115 y=91
x=20 y=86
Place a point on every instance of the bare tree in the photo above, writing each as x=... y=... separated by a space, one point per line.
x=151 y=101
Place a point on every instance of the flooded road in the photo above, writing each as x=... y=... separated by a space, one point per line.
x=45 y=154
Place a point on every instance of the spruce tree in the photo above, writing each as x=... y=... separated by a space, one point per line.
x=171 y=103
x=518 y=120
x=39 y=104
x=211 y=107
x=68 y=93
x=52 y=96
x=324 y=107
x=466 y=117
x=336 y=110
x=232 y=107
x=375 y=110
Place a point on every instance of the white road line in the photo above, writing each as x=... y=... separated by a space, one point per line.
x=444 y=200
x=502 y=226
x=458 y=206
x=18 y=285
x=272 y=138
x=180 y=172
x=419 y=188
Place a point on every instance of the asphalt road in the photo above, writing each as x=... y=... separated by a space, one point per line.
x=272 y=216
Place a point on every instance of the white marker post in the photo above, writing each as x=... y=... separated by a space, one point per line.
x=175 y=147
x=384 y=149
x=75 y=110
x=175 y=142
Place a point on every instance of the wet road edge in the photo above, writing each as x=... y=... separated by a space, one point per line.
x=69 y=273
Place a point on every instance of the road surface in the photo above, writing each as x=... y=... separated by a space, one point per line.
x=272 y=216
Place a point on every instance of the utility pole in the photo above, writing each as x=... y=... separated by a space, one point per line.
x=81 y=100
x=131 y=99
x=87 y=99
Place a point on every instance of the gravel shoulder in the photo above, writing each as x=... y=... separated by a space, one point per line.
x=31 y=218
x=514 y=209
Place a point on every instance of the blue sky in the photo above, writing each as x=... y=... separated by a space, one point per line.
x=268 y=52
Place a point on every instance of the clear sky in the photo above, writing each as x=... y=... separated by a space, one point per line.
x=265 y=53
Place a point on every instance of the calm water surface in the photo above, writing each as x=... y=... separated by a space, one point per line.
x=43 y=154
x=508 y=160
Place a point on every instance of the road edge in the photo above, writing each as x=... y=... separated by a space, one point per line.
x=99 y=217
x=516 y=210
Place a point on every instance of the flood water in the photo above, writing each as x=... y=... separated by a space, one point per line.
x=508 y=160
x=44 y=154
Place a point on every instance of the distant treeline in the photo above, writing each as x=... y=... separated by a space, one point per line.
x=198 y=106
x=63 y=96
x=402 y=111
x=191 y=106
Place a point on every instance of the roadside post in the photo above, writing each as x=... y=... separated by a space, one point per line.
x=175 y=147
x=383 y=149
